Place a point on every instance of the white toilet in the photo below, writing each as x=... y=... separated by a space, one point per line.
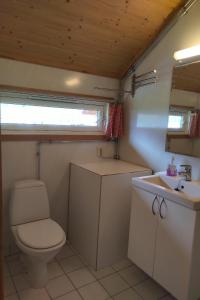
x=35 y=233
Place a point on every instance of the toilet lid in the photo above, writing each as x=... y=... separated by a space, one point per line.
x=40 y=234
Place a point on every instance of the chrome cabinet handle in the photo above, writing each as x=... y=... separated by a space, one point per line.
x=160 y=209
x=152 y=208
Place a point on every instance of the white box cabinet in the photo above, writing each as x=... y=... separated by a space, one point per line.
x=167 y=248
x=99 y=209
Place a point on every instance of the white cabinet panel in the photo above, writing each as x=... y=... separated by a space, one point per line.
x=166 y=244
x=114 y=221
x=174 y=248
x=99 y=210
x=84 y=212
x=143 y=226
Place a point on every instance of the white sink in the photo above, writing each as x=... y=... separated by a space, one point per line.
x=165 y=186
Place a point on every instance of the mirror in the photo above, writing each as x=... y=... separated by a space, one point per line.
x=183 y=134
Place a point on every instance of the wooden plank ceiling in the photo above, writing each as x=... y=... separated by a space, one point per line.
x=187 y=78
x=100 y=37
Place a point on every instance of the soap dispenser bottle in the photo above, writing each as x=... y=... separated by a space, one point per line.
x=171 y=169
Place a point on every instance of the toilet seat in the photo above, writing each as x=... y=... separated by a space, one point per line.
x=42 y=234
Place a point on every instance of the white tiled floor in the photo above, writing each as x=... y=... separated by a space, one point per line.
x=71 y=279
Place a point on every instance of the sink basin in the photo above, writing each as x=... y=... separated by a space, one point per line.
x=165 y=186
x=155 y=180
x=192 y=189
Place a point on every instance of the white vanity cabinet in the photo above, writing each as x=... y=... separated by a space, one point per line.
x=99 y=209
x=164 y=241
x=142 y=235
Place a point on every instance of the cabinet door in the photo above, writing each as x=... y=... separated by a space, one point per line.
x=174 y=248
x=143 y=225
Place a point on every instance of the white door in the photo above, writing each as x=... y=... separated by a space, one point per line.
x=143 y=225
x=174 y=248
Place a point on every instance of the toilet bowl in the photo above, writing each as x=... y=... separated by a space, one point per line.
x=37 y=236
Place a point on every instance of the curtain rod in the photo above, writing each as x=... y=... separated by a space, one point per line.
x=165 y=30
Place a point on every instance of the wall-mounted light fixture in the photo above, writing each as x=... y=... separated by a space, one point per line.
x=188 y=53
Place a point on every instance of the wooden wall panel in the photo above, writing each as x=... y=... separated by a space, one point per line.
x=187 y=78
x=94 y=36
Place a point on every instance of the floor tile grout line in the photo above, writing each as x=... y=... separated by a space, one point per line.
x=108 y=292
x=47 y=293
x=138 y=293
x=75 y=288
x=98 y=280
x=13 y=285
x=120 y=292
x=60 y=259
x=6 y=264
x=86 y=266
x=23 y=273
x=64 y=258
x=86 y=284
x=54 y=298
x=78 y=268
x=104 y=276
x=56 y=276
x=131 y=286
x=167 y=294
x=143 y=280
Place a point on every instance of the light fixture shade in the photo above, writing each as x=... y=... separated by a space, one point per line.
x=187 y=53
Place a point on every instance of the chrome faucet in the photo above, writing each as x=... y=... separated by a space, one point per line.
x=187 y=172
x=180 y=185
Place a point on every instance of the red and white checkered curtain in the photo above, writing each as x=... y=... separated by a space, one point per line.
x=115 y=123
x=195 y=125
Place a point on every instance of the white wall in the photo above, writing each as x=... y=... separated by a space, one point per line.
x=20 y=162
x=147 y=112
x=19 y=158
x=41 y=77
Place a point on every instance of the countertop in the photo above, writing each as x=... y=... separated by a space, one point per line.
x=180 y=197
x=111 y=166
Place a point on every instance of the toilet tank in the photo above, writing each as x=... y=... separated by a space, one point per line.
x=29 y=202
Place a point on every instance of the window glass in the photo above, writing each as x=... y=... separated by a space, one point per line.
x=33 y=114
x=178 y=119
x=175 y=122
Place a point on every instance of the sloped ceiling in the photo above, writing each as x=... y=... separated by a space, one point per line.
x=100 y=37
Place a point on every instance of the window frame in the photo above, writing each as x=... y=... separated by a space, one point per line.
x=185 y=112
x=54 y=101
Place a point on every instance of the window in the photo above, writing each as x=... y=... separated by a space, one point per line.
x=50 y=113
x=178 y=119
